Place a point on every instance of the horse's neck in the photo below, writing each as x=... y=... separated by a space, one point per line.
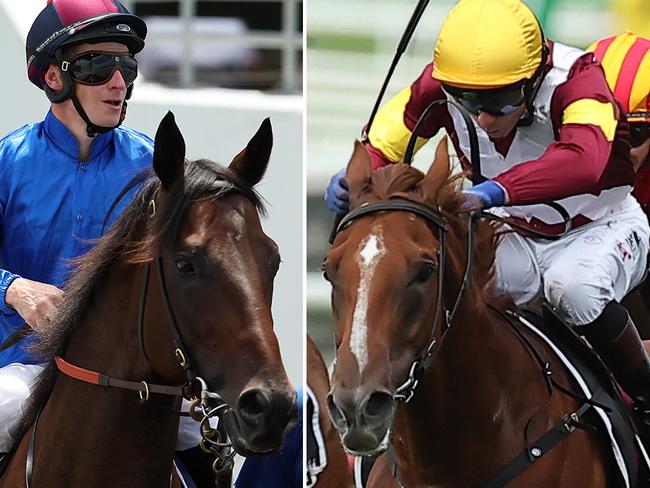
x=107 y=429
x=467 y=401
x=109 y=438
x=106 y=337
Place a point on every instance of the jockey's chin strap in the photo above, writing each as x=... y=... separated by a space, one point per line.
x=93 y=129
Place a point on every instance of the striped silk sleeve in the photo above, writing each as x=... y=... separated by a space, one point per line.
x=394 y=123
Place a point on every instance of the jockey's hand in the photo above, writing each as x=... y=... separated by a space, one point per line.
x=337 y=197
x=35 y=302
x=484 y=195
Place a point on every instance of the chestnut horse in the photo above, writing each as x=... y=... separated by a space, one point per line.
x=183 y=280
x=335 y=473
x=396 y=268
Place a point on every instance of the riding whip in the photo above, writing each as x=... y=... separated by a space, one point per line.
x=401 y=48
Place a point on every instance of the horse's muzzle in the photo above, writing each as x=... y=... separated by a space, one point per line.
x=259 y=422
x=363 y=421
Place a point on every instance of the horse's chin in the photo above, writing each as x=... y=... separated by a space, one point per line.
x=371 y=454
x=246 y=443
x=363 y=443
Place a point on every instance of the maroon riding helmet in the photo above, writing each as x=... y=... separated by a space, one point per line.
x=64 y=23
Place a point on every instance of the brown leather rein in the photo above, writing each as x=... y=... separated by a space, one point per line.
x=96 y=378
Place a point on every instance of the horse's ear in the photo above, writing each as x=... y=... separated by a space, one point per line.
x=439 y=170
x=252 y=161
x=359 y=169
x=169 y=152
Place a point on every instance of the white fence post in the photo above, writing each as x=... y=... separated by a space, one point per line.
x=187 y=13
x=287 y=41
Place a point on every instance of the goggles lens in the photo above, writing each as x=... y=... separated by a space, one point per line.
x=639 y=133
x=498 y=102
x=98 y=68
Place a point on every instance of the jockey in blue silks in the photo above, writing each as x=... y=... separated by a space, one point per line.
x=59 y=177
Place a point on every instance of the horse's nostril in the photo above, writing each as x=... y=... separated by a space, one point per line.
x=254 y=404
x=379 y=405
x=338 y=418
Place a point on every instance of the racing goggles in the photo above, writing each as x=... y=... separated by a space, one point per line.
x=97 y=68
x=496 y=101
x=639 y=133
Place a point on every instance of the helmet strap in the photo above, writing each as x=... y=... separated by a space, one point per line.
x=91 y=128
x=532 y=87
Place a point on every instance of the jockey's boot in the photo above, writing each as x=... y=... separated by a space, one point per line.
x=620 y=347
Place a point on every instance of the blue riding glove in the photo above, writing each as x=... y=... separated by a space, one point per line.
x=484 y=195
x=337 y=197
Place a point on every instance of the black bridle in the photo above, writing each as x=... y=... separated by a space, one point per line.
x=423 y=361
x=208 y=404
x=433 y=218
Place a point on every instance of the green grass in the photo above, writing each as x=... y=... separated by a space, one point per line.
x=360 y=43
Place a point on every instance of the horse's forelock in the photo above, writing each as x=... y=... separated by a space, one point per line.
x=404 y=181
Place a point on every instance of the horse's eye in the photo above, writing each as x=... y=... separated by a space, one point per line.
x=184 y=266
x=424 y=273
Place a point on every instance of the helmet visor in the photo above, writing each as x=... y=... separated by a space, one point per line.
x=98 y=68
x=498 y=102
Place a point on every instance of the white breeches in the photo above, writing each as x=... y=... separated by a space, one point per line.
x=16 y=382
x=583 y=271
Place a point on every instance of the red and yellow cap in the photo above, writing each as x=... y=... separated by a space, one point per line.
x=488 y=44
x=626 y=61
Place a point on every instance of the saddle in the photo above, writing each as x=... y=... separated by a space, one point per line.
x=613 y=417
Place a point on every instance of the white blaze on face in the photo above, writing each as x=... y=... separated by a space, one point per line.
x=370 y=252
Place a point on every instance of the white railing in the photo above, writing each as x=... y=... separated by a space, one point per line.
x=289 y=40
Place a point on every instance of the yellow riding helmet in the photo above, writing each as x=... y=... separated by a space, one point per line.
x=488 y=44
x=626 y=61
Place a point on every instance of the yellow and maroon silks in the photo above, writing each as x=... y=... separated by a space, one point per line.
x=626 y=61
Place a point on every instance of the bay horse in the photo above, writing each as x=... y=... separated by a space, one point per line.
x=182 y=281
x=335 y=473
x=435 y=376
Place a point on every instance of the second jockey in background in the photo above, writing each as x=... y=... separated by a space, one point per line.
x=548 y=129
x=626 y=61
